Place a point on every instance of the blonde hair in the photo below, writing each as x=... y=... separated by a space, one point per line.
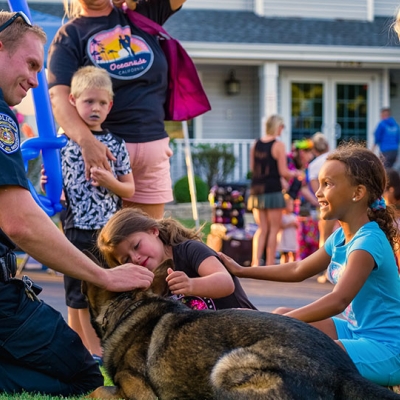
x=396 y=24
x=273 y=123
x=91 y=77
x=128 y=221
x=16 y=32
x=72 y=8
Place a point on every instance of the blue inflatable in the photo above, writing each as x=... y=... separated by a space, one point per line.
x=47 y=142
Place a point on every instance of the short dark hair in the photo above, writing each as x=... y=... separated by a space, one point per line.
x=14 y=33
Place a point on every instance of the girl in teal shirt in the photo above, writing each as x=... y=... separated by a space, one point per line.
x=361 y=264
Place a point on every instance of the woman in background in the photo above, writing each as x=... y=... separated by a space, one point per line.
x=268 y=164
x=99 y=33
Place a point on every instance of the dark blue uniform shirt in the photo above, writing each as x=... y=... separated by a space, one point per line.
x=12 y=171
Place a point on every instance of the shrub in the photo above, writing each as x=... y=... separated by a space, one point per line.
x=214 y=162
x=182 y=193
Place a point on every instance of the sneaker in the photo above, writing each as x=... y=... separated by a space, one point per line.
x=98 y=359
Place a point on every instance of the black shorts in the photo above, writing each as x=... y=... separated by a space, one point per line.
x=83 y=240
x=39 y=352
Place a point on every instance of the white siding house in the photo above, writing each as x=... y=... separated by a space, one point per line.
x=323 y=65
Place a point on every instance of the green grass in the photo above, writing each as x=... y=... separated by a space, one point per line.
x=204 y=225
x=30 y=396
x=189 y=223
x=27 y=396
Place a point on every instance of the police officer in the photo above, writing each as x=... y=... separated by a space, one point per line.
x=38 y=351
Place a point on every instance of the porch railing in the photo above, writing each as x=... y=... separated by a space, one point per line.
x=240 y=148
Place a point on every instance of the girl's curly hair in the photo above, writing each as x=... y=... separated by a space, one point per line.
x=363 y=167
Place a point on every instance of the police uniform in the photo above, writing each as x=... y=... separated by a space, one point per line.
x=38 y=350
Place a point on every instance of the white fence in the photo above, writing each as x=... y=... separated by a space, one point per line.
x=240 y=148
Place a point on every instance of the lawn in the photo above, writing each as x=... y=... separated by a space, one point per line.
x=204 y=225
x=28 y=396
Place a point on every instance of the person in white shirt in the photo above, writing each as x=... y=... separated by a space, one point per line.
x=321 y=151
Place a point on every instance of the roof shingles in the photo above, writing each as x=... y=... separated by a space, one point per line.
x=246 y=27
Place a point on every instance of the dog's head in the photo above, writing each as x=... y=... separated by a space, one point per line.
x=103 y=303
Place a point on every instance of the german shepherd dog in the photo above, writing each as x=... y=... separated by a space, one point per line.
x=158 y=348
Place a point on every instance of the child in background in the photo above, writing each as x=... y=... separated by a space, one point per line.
x=392 y=197
x=320 y=150
x=199 y=278
x=307 y=231
x=287 y=236
x=360 y=261
x=91 y=203
x=392 y=191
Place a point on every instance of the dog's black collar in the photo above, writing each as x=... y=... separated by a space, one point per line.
x=111 y=310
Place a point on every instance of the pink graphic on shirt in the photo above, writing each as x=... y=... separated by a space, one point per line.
x=123 y=55
x=335 y=272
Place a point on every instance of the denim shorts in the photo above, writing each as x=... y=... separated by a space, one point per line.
x=376 y=361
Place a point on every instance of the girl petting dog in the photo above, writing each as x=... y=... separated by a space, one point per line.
x=360 y=261
x=199 y=279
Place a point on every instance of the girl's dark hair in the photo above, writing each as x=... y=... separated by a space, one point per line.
x=393 y=182
x=133 y=220
x=363 y=167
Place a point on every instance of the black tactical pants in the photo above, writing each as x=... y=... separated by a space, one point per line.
x=38 y=350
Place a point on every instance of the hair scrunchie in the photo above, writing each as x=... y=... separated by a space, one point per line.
x=378 y=204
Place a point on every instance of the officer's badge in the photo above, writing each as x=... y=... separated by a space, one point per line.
x=9 y=137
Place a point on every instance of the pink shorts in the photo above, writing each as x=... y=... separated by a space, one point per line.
x=151 y=172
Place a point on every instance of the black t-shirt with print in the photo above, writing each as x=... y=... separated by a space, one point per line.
x=134 y=60
x=187 y=258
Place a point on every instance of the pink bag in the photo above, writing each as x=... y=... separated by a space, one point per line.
x=186 y=98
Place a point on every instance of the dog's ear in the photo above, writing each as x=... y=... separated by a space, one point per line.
x=160 y=285
x=88 y=254
x=95 y=295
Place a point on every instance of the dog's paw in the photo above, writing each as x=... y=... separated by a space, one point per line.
x=104 y=392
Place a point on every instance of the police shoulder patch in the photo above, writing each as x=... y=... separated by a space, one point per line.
x=9 y=136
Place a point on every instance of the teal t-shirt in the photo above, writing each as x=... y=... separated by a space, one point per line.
x=375 y=311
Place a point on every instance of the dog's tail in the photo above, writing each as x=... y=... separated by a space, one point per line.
x=238 y=376
x=243 y=375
